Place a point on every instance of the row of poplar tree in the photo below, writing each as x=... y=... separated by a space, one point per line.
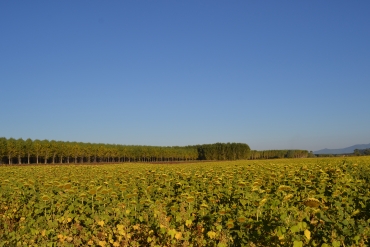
x=19 y=151
x=44 y=151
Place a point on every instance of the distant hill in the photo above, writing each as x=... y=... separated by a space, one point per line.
x=347 y=150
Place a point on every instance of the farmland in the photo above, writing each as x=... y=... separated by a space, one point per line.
x=285 y=202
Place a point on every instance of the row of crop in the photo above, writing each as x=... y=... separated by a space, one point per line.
x=215 y=204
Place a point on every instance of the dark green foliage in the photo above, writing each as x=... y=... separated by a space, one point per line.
x=359 y=152
x=44 y=151
x=223 y=151
x=278 y=154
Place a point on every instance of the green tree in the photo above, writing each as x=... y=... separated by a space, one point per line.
x=28 y=148
x=76 y=150
x=84 y=151
x=45 y=150
x=88 y=151
x=37 y=149
x=68 y=150
x=11 y=149
x=54 y=149
x=3 y=143
x=62 y=146
x=311 y=155
x=123 y=152
x=102 y=150
x=94 y=152
x=20 y=149
x=115 y=153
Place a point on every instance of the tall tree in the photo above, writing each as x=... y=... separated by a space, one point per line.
x=3 y=143
x=76 y=149
x=101 y=152
x=88 y=151
x=11 y=149
x=37 y=149
x=45 y=150
x=54 y=149
x=94 y=151
x=20 y=149
x=62 y=146
x=68 y=150
x=28 y=147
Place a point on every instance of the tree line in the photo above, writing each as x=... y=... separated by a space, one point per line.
x=45 y=151
x=223 y=151
x=19 y=151
x=356 y=152
x=361 y=152
x=279 y=154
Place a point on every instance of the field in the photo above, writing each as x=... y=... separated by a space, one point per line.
x=287 y=202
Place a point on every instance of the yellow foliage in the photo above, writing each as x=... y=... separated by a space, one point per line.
x=178 y=235
x=307 y=233
x=188 y=223
x=211 y=234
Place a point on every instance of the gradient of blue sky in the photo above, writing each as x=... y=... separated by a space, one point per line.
x=273 y=74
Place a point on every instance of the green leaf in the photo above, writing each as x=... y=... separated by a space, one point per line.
x=356 y=238
x=188 y=223
x=336 y=243
x=345 y=222
x=302 y=225
x=294 y=229
x=283 y=216
x=221 y=245
x=171 y=232
x=298 y=244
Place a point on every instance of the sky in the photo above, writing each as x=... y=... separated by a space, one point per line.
x=272 y=74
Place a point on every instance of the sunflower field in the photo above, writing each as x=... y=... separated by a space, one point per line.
x=285 y=202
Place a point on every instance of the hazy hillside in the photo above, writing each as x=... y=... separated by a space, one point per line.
x=342 y=150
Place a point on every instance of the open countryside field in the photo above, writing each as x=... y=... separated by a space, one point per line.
x=285 y=202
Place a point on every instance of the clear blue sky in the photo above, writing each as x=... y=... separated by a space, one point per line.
x=272 y=74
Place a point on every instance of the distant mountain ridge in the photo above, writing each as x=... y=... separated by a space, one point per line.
x=346 y=150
